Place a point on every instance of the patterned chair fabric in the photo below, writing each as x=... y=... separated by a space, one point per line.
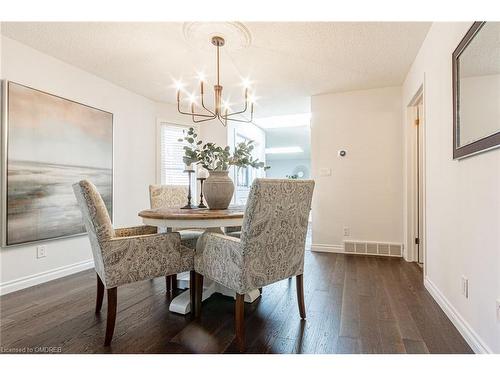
x=168 y=195
x=125 y=255
x=174 y=196
x=272 y=241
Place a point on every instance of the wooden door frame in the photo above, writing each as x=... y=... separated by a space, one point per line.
x=410 y=253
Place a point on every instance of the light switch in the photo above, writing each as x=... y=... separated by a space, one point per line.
x=325 y=172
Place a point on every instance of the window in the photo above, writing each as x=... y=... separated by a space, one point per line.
x=243 y=177
x=171 y=153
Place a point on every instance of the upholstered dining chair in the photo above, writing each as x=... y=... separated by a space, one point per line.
x=122 y=256
x=174 y=196
x=271 y=247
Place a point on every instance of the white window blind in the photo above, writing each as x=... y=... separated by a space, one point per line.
x=171 y=153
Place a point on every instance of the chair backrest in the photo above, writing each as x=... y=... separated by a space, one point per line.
x=274 y=229
x=96 y=219
x=168 y=196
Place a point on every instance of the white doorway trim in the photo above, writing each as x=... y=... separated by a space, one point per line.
x=410 y=183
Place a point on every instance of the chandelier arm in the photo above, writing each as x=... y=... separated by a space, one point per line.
x=239 y=112
x=221 y=121
x=203 y=120
x=194 y=115
x=203 y=105
x=226 y=117
x=233 y=119
x=190 y=113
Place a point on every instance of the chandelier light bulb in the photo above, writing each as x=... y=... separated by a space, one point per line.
x=178 y=85
x=246 y=83
x=201 y=77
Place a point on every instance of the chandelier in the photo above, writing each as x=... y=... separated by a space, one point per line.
x=221 y=107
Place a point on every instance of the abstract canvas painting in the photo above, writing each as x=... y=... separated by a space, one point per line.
x=52 y=143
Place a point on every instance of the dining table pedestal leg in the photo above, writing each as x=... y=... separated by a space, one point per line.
x=182 y=303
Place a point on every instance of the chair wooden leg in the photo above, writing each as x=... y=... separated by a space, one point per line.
x=100 y=295
x=300 y=295
x=239 y=321
x=110 y=323
x=168 y=283
x=198 y=287
x=174 y=281
x=192 y=291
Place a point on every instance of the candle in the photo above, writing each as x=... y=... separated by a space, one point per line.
x=202 y=172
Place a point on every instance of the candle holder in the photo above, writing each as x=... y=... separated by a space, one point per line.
x=188 y=205
x=201 y=179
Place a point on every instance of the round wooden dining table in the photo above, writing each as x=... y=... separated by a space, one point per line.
x=203 y=220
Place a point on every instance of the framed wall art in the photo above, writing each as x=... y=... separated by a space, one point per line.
x=48 y=144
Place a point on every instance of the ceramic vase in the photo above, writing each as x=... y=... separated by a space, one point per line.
x=218 y=190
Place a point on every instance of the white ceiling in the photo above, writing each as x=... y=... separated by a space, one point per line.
x=288 y=61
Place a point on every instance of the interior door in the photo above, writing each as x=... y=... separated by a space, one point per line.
x=419 y=220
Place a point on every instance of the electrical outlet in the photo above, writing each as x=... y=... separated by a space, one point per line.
x=465 y=287
x=498 y=310
x=347 y=232
x=41 y=251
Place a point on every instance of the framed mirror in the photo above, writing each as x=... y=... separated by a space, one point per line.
x=476 y=91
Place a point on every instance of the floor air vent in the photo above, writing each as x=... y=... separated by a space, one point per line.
x=373 y=248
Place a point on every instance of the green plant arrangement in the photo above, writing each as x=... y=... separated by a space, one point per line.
x=216 y=158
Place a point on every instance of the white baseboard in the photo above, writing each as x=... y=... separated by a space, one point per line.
x=472 y=338
x=323 y=248
x=42 y=277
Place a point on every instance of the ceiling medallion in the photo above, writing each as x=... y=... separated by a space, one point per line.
x=236 y=35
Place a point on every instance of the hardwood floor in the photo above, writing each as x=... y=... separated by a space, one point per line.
x=354 y=304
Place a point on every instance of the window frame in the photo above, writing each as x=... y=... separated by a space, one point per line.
x=159 y=123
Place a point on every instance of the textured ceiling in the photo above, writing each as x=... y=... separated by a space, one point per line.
x=288 y=61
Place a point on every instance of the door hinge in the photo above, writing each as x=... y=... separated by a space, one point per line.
x=417 y=122
x=417 y=241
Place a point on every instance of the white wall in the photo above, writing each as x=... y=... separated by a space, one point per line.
x=285 y=167
x=134 y=152
x=462 y=203
x=364 y=191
